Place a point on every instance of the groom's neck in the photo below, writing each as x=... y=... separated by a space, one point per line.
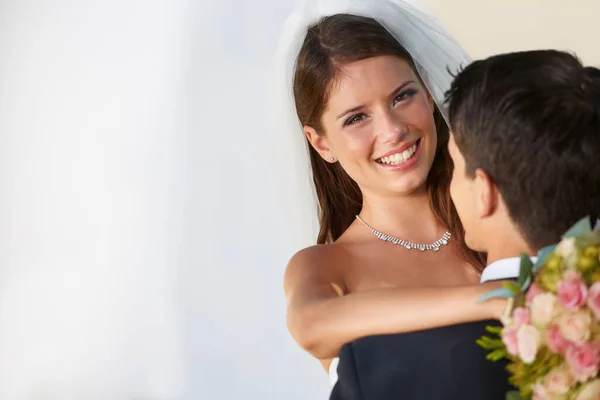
x=507 y=244
x=494 y=255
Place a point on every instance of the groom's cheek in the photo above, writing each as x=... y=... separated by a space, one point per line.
x=455 y=188
x=455 y=191
x=460 y=195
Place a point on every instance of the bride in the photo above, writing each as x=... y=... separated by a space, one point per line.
x=364 y=85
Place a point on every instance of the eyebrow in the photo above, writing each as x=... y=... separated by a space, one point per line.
x=393 y=94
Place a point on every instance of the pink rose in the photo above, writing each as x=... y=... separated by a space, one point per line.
x=542 y=308
x=528 y=343
x=575 y=326
x=590 y=391
x=593 y=300
x=532 y=292
x=583 y=360
x=555 y=340
x=509 y=338
x=539 y=392
x=521 y=316
x=572 y=292
x=558 y=380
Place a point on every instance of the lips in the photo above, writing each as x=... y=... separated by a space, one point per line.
x=401 y=156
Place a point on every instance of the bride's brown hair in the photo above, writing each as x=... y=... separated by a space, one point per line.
x=333 y=42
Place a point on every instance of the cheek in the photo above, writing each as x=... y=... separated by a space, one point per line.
x=420 y=116
x=428 y=128
x=453 y=186
x=455 y=193
x=360 y=146
x=458 y=193
x=353 y=145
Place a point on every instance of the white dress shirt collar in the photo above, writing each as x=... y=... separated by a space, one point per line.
x=506 y=268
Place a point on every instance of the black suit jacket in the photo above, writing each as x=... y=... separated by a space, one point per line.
x=436 y=364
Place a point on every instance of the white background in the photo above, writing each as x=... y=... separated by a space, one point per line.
x=141 y=244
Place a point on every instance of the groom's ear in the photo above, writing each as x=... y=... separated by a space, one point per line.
x=486 y=194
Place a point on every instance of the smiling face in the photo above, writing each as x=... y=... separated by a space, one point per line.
x=379 y=125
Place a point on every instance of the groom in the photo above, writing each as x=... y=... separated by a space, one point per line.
x=525 y=146
x=526 y=149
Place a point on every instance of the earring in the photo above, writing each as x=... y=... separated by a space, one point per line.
x=332 y=159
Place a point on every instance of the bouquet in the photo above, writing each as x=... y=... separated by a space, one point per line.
x=551 y=330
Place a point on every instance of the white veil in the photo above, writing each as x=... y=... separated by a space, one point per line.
x=433 y=50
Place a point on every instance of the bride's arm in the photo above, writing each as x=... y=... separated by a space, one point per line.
x=321 y=320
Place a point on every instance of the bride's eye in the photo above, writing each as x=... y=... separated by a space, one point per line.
x=404 y=96
x=354 y=119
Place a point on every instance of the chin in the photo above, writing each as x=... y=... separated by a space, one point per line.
x=410 y=177
x=409 y=183
x=473 y=244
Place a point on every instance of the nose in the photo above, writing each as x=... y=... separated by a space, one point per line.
x=391 y=128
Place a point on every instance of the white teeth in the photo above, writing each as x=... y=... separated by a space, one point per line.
x=399 y=158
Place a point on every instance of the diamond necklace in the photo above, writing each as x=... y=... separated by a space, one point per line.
x=435 y=246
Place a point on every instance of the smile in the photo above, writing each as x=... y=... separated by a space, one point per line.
x=400 y=157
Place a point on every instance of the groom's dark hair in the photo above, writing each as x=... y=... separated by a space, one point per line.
x=531 y=121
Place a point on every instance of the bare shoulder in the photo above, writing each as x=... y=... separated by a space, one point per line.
x=315 y=265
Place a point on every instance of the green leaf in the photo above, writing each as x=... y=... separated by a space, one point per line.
x=527 y=283
x=525 y=271
x=581 y=227
x=489 y=343
x=501 y=292
x=496 y=355
x=588 y=239
x=494 y=329
x=512 y=286
x=513 y=395
x=519 y=300
x=543 y=256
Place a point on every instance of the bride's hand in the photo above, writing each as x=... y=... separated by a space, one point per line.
x=498 y=307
